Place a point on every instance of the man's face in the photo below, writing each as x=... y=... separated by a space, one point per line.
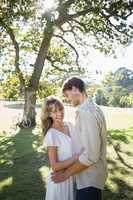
x=73 y=96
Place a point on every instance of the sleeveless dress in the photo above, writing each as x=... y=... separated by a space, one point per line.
x=63 y=190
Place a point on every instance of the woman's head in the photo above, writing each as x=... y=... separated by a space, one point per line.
x=52 y=112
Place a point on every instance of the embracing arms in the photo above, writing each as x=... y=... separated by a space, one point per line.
x=60 y=165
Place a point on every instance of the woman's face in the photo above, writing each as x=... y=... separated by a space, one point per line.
x=58 y=114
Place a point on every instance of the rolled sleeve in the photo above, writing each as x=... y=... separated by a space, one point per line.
x=90 y=134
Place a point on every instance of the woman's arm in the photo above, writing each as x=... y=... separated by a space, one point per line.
x=60 y=165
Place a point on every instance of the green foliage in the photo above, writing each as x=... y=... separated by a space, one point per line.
x=21 y=166
x=117 y=89
x=24 y=167
x=10 y=88
x=59 y=56
x=100 y=97
x=127 y=101
x=46 y=88
x=115 y=95
x=15 y=9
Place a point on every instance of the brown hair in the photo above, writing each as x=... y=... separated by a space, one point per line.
x=74 y=82
x=50 y=105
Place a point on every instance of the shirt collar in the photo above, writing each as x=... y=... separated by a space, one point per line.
x=86 y=103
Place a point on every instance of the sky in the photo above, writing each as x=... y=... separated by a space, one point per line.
x=104 y=64
x=124 y=58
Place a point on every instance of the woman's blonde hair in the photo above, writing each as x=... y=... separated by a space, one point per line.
x=50 y=105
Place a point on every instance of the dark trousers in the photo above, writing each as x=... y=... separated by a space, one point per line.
x=89 y=193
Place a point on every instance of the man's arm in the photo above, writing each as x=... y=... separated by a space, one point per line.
x=76 y=168
x=60 y=165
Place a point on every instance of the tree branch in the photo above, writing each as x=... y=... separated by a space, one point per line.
x=64 y=17
x=114 y=26
x=83 y=25
x=68 y=3
x=76 y=36
x=117 y=150
x=16 y=47
x=71 y=46
x=81 y=13
x=54 y=65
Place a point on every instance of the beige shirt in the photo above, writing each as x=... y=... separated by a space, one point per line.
x=90 y=134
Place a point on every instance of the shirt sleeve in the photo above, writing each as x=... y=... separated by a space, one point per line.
x=50 y=140
x=91 y=141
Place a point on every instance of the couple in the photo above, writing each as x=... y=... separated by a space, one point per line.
x=77 y=154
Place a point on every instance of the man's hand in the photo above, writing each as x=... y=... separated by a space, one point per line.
x=58 y=177
x=61 y=176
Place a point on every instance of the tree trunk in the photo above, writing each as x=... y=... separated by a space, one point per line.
x=29 y=113
x=30 y=93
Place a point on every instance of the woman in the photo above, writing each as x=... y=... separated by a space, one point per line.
x=58 y=142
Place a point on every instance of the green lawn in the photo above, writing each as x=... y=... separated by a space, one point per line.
x=24 y=168
x=120 y=165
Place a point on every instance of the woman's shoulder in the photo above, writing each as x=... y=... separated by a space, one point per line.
x=51 y=132
x=51 y=138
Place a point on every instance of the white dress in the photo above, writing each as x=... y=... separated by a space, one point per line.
x=63 y=190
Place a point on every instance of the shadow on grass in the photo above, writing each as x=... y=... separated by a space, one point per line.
x=120 y=173
x=21 y=178
x=20 y=170
x=117 y=187
x=117 y=135
x=117 y=138
x=124 y=191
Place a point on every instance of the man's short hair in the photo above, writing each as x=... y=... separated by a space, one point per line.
x=74 y=82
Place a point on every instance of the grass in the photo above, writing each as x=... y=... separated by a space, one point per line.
x=24 y=167
x=119 y=184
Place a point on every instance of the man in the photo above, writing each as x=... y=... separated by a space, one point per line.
x=90 y=135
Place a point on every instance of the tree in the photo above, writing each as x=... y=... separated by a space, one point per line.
x=105 y=21
x=124 y=77
x=127 y=101
x=117 y=88
x=100 y=97
x=114 y=97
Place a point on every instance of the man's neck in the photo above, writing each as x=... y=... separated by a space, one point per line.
x=83 y=98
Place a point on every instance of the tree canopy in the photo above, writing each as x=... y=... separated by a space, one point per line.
x=37 y=33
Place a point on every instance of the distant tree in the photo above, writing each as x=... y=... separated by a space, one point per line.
x=92 y=88
x=100 y=97
x=127 y=101
x=115 y=95
x=117 y=88
x=124 y=78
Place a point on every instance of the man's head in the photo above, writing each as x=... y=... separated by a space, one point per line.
x=74 y=90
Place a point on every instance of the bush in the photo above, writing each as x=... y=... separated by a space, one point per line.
x=100 y=97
